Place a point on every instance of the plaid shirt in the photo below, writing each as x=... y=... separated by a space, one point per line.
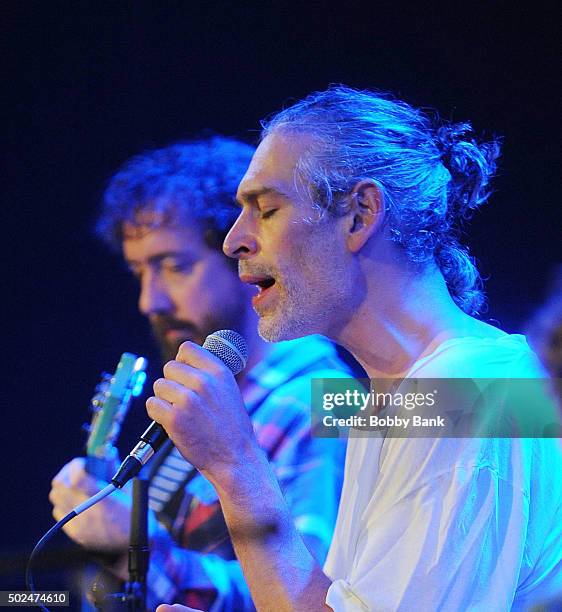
x=190 y=545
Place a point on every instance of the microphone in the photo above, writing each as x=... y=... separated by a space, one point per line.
x=230 y=347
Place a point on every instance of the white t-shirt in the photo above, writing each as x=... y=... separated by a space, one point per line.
x=451 y=523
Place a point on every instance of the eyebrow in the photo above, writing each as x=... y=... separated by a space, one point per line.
x=254 y=194
x=155 y=259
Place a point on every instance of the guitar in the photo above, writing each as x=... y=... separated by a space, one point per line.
x=110 y=404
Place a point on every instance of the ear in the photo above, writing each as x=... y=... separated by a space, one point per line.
x=366 y=214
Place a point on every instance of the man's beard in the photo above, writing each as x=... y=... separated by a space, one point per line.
x=288 y=319
x=305 y=307
x=160 y=324
x=169 y=348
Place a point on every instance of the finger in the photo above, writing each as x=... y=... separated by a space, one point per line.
x=76 y=471
x=196 y=356
x=64 y=474
x=173 y=392
x=55 y=496
x=61 y=477
x=74 y=476
x=80 y=479
x=158 y=409
x=66 y=498
x=58 y=513
x=185 y=375
x=61 y=510
x=59 y=495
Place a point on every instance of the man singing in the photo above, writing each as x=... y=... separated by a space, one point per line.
x=168 y=212
x=349 y=227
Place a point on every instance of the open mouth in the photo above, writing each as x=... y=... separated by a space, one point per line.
x=264 y=284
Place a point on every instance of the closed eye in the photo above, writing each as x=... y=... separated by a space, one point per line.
x=268 y=213
x=177 y=267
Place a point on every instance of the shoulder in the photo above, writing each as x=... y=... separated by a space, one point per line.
x=506 y=356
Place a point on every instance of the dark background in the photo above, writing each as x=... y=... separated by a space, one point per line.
x=90 y=84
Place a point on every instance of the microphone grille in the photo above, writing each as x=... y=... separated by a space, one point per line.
x=230 y=347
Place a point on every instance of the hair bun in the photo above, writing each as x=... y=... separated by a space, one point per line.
x=470 y=164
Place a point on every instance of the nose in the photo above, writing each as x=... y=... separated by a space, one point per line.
x=153 y=298
x=240 y=242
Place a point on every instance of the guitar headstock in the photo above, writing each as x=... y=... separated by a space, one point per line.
x=110 y=404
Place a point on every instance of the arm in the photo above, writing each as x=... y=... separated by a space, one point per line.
x=281 y=573
x=309 y=469
x=200 y=406
x=309 y=472
x=175 y=570
x=447 y=530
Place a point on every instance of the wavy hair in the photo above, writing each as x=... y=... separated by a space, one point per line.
x=178 y=184
x=432 y=174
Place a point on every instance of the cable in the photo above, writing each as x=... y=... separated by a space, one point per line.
x=56 y=527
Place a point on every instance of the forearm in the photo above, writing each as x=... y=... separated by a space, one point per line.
x=280 y=571
x=175 y=570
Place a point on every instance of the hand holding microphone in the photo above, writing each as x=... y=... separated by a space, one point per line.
x=198 y=404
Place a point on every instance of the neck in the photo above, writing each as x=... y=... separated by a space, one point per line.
x=403 y=319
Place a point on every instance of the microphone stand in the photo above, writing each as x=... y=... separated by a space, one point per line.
x=134 y=597
x=139 y=552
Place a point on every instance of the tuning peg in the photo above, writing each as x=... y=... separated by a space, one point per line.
x=96 y=403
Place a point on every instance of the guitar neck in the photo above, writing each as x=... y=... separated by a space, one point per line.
x=110 y=404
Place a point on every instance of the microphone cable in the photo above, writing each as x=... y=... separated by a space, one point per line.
x=230 y=347
x=55 y=528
